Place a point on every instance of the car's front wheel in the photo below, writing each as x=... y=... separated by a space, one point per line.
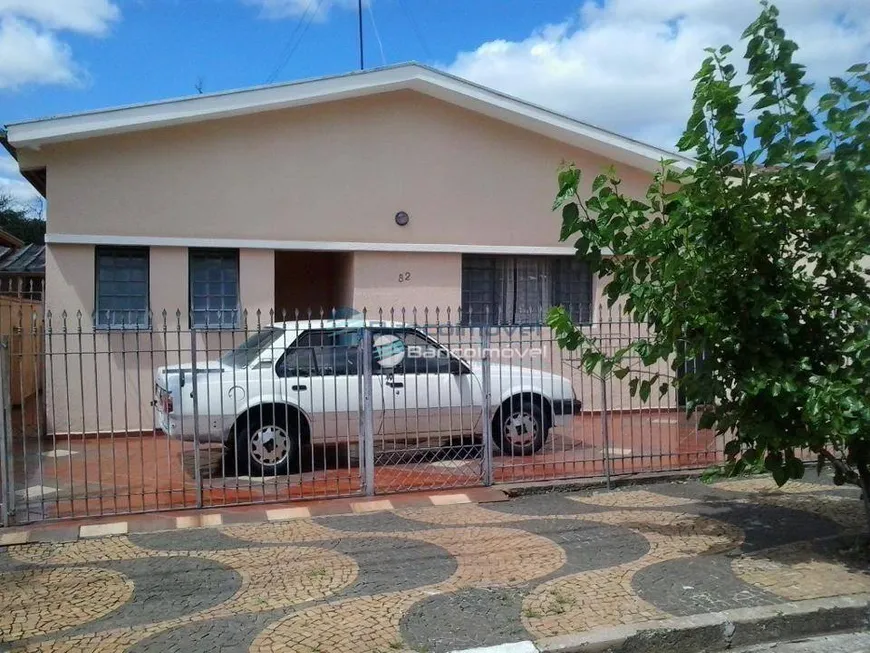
x=266 y=445
x=521 y=427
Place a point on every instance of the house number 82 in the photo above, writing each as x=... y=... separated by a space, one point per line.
x=404 y=276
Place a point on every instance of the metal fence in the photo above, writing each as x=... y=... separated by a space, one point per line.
x=161 y=416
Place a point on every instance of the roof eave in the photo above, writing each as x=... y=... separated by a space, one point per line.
x=423 y=79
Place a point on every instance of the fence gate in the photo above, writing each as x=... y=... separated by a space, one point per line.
x=426 y=412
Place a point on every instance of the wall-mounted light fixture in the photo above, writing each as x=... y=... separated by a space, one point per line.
x=402 y=218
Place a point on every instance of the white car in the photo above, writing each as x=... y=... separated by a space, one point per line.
x=295 y=384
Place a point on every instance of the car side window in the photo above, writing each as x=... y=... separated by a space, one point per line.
x=402 y=351
x=325 y=352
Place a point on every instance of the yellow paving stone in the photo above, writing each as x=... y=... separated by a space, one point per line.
x=458 y=515
x=279 y=577
x=42 y=601
x=675 y=534
x=766 y=484
x=796 y=572
x=359 y=625
x=291 y=531
x=591 y=599
x=80 y=551
x=494 y=557
x=633 y=499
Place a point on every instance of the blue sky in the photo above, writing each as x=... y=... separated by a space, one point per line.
x=622 y=64
x=160 y=48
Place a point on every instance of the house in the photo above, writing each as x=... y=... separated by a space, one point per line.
x=22 y=267
x=393 y=188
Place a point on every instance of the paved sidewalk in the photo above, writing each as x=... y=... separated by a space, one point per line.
x=436 y=578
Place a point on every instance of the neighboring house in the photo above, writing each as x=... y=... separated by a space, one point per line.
x=399 y=187
x=22 y=268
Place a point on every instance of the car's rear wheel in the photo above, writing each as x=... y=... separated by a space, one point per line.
x=520 y=427
x=266 y=445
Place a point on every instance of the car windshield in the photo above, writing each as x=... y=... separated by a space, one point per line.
x=244 y=354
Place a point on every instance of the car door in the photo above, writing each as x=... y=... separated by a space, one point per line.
x=320 y=374
x=429 y=394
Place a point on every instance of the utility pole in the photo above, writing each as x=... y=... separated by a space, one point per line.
x=362 y=62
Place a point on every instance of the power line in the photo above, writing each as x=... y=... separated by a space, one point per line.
x=362 y=56
x=416 y=29
x=291 y=46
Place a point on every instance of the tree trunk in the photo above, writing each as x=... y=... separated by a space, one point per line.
x=864 y=475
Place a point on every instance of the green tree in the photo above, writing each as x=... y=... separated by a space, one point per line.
x=754 y=259
x=19 y=223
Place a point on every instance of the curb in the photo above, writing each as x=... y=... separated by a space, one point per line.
x=714 y=631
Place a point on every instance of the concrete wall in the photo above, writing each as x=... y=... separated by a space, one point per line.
x=98 y=380
x=397 y=281
x=333 y=172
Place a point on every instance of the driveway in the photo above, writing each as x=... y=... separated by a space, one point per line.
x=436 y=578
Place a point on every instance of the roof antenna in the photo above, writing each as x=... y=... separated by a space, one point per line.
x=362 y=62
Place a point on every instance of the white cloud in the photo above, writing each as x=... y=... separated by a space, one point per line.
x=14 y=185
x=85 y=16
x=316 y=9
x=627 y=65
x=31 y=51
x=31 y=56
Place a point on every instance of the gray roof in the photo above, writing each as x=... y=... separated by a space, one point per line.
x=29 y=259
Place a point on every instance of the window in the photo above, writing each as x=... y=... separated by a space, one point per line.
x=121 y=287
x=244 y=354
x=521 y=289
x=330 y=352
x=408 y=352
x=214 y=288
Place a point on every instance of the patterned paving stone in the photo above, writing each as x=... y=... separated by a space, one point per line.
x=633 y=499
x=844 y=509
x=361 y=625
x=42 y=601
x=765 y=526
x=287 y=532
x=544 y=505
x=687 y=586
x=388 y=564
x=195 y=539
x=438 y=577
x=766 y=484
x=800 y=571
x=378 y=522
x=225 y=634
x=276 y=577
x=460 y=515
x=605 y=597
x=79 y=552
x=495 y=557
x=197 y=584
x=587 y=544
x=464 y=619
